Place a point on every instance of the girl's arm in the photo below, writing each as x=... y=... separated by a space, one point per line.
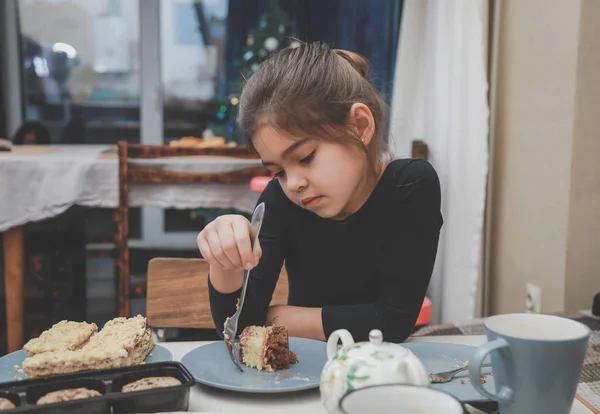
x=300 y=322
x=263 y=278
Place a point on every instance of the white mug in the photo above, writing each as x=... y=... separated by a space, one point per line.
x=399 y=398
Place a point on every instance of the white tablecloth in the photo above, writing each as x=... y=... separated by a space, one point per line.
x=205 y=399
x=39 y=186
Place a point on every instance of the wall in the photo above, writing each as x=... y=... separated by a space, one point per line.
x=544 y=174
x=583 y=251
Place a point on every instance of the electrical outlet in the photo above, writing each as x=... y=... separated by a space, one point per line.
x=533 y=298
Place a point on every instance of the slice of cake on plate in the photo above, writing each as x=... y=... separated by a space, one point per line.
x=62 y=336
x=121 y=342
x=266 y=348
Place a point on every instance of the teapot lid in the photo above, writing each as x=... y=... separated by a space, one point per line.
x=376 y=337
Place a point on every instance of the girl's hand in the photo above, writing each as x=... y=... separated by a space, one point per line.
x=226 y=243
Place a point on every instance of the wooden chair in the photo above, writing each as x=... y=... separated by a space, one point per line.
x=420 y=149
x=177 y=294
x=129 y=174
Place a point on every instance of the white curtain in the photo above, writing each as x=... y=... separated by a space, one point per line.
x=440 y=96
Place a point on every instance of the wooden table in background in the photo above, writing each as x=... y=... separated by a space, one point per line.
x=13 y=286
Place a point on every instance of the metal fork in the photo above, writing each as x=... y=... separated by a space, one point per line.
x=231 y=324
x=442 y=377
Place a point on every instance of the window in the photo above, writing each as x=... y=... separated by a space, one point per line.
x=193 y=41
x=81 y=68
x=3 y=131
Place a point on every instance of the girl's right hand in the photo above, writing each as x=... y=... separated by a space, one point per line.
x=226 y=243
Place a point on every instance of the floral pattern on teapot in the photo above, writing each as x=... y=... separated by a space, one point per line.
x=358 y=365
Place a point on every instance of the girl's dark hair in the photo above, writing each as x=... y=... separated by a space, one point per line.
x=309 y=90
x=42 y=134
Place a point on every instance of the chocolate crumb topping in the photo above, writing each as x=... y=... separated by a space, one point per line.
x=277 y=352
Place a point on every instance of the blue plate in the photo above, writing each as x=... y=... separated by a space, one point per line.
x=211 y=365
x=10 y=364
x=439 y=357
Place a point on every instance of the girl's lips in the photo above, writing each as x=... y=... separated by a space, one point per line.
x=311 y=201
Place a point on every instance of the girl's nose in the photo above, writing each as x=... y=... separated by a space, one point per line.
x=295 y=181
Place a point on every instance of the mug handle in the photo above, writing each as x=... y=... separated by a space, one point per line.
x=333 y=340
x=505 y=394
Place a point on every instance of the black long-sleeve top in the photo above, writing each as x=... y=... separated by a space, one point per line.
x=369 y=271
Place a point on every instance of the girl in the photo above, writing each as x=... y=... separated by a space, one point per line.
x=358 y=233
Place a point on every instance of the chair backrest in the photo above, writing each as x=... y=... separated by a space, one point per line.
x=420 y=149
x=177 y=293
x=129 y=174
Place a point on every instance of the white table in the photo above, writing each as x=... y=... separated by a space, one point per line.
x=205 y=399
x=36 y=186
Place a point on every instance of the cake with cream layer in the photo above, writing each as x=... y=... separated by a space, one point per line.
x=266 y=348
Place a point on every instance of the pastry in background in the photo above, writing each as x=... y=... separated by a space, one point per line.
x=193 y=142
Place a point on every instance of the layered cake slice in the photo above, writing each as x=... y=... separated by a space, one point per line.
x=265 y=348
x=62 y=336
x=120 y=335
x=140 y=351
x=121 y=342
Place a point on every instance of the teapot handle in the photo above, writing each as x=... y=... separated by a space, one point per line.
x=333 y=340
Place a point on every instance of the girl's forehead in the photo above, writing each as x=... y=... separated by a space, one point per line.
x=273 y=146
x=270 y=137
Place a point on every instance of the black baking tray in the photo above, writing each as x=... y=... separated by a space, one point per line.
x=109 y=382
x=489 y=407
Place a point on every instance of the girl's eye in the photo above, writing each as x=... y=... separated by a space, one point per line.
x=305 y=161
x=308 y=158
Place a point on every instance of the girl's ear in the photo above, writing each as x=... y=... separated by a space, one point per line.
x=362 y=122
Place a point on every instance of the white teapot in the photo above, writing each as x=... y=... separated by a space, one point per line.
x=365 y=364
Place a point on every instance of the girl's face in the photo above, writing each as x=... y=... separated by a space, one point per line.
x=327 y=178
